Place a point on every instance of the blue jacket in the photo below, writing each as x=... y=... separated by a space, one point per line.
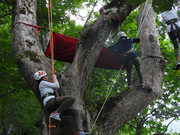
x=123 y=45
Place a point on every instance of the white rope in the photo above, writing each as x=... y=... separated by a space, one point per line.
x=105 y=101
x=142 y=15
x=141 y=23
x=143 y=20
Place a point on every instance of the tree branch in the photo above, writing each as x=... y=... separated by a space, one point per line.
x=132 y=125
x=169 y=124
x=6 y=93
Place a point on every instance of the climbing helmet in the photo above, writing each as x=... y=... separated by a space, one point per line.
x=39 y=74
x=121 y=34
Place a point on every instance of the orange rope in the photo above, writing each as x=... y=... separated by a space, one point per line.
x=52 y=55
x=51 y=39
x=50 y=126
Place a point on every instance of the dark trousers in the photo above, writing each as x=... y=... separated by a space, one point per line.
x=173 y=35
x=136 y=61
x=62 y=104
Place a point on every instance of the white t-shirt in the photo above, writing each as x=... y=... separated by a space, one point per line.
x=48 y=87
x=169 y=15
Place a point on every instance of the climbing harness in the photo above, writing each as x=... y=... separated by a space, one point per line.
x=105 y=100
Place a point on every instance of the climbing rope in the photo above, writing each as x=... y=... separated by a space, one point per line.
x=140 y=27
x=50 y=126
x=105 y=100
x=51 y=36
x=52 y=54
x=141 y=18
x=142 y=22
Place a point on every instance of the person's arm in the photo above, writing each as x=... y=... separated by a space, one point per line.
x=136 y=40
x=54 y=85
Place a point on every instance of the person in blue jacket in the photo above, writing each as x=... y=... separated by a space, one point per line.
x=124 y=46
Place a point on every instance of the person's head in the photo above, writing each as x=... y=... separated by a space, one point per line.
x=121 y=34
x=41 y=75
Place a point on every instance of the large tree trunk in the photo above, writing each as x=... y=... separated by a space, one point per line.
x=30 y=58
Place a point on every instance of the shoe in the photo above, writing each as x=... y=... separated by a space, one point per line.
x=83 y=133
x=143 y=85
x=130 y=87
x=55 y=116
x=177 y=65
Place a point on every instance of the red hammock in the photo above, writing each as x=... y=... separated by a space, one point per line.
x=64 y=50
x=65 y=46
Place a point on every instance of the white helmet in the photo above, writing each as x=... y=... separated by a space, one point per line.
x=121 y=34
x=39 y=74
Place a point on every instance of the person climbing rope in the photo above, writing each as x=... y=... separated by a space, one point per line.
x=124 y=46
x=173 y=30
x=62 y=104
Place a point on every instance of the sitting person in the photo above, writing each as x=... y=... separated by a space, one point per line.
x=124 y=47
x=47 y=90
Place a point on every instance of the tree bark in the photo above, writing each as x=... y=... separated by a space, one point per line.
x=120 y=109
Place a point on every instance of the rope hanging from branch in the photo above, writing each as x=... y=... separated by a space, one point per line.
x=105 y=100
